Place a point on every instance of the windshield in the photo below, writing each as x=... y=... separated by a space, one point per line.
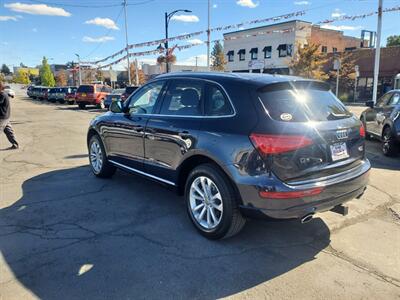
x=302 y=105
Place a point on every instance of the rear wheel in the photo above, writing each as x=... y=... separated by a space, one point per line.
x=389 y=147
x=211 y=203
x=82 y=105
x=101 y=167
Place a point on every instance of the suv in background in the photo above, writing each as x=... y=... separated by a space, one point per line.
x=70 y=95
x=236 y=145
x=128 y=91
x=92 y=94
x=382 y=121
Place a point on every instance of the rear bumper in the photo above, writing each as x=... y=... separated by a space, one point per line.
x=87 y=101
x=336 y=190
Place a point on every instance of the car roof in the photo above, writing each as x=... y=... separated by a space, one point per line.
x=257 y=79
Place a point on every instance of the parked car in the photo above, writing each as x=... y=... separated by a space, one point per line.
x=42 y=93
x=128 y=91
x=382 y=121
x=9 y=91
x=114 y=96
x=29 y=91
x=70 y=95
x=52 y=94
x=236 y=146
x=92 y=94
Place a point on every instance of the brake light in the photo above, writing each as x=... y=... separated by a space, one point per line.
x=362 y=130
x=291 y=195
x=274 y=144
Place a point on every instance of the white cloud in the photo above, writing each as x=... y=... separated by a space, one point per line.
x=247 y=3
x=337 y=13
x=341 y=27
x=37 y=9
x=9 y=18
x=101 y=39
x=302 y=2
x=186 y=18
x=201 y=60
x=195 y=41
x=105 y=22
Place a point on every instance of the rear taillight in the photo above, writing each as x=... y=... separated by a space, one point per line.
x=362 y=130
x=275 y=144
x=292 y=194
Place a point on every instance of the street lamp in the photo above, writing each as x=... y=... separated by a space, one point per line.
x=168 y=17
x=79 y=68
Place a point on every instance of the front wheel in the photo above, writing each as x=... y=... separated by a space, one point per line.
x=389 y=147
x=101 y=167
x=211 y=203
x=82 y=105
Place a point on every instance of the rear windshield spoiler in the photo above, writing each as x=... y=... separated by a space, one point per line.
x=292 y=85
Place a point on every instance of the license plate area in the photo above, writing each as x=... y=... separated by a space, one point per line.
x=339 y=151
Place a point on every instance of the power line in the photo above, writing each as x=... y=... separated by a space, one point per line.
x=90 y=6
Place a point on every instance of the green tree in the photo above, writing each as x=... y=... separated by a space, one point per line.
x=217 y=57
x=393 y=40
x=46 y=76
x=22 y=76
x=308 y=62
x=5 y=70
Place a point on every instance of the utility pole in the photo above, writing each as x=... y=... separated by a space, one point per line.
x=196 y=62
x=166 y=43
x=377 y=53
x=126 y=38
x=336 y=66
x=79 y=68
x=208 y=35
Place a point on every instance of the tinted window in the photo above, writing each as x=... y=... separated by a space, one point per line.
x=144 y=100
x=302 y=105
x=86 y=89
x=217 y=104
x=183 y=98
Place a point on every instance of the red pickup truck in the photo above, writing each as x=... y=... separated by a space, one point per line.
x=92 y=94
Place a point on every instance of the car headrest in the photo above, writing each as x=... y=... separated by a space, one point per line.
x=190 y=97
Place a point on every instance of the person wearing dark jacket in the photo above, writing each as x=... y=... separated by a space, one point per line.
x=5 y=111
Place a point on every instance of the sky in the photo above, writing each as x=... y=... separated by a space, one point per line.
x=94 y=29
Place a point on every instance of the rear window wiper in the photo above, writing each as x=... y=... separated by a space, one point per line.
x=335 y=116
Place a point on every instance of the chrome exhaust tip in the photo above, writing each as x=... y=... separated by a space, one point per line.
x=306 y=218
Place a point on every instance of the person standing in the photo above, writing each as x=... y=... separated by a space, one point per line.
x=5 y=125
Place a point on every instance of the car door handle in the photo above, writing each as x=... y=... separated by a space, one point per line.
x=184 y=134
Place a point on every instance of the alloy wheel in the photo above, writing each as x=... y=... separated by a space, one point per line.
x=96 y=157
x=206 y=202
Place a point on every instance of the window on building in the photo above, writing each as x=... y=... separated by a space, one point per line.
x=285 y=50
x=230 y=55
x=324 y=49
x=242 y=54
x=254 y=53
x=267 y=51
x=334 y=50
x=350 y=48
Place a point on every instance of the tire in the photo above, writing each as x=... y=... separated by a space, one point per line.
x=71 y=102
x=61 y=101
x=389 y=146
x=101 y=104
x=227 y=220
x=367 y=136
x=82 y=105
x=98 y=161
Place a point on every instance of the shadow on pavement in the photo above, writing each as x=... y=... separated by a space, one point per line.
x=73 y=236
x=378 y=160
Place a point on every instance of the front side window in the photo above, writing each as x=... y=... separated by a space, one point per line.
x=395 y=99
x=183 y=98
x=216 y=103
x=383 y=101
x=267 y=51
x=144 y=100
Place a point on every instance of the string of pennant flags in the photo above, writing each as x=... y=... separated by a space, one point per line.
x=257 y=33
x=197 y=33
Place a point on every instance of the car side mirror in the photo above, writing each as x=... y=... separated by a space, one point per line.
x=116 y=107
x=370 y=104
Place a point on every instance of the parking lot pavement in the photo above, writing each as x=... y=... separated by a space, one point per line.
x=65 y=234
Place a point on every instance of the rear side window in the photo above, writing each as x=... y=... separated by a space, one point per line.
x=302 y=105
x=216 y=103
x=183 y=98
x=86 y=89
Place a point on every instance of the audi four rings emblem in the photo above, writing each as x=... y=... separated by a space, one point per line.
x=342 y=134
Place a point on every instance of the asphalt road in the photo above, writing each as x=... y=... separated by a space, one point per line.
x=65 y=234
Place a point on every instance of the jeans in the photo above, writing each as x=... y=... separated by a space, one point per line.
x=5 y=126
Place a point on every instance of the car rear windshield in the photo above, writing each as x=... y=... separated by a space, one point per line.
x=130 y=89
x=86 y=89
x=302 y=102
